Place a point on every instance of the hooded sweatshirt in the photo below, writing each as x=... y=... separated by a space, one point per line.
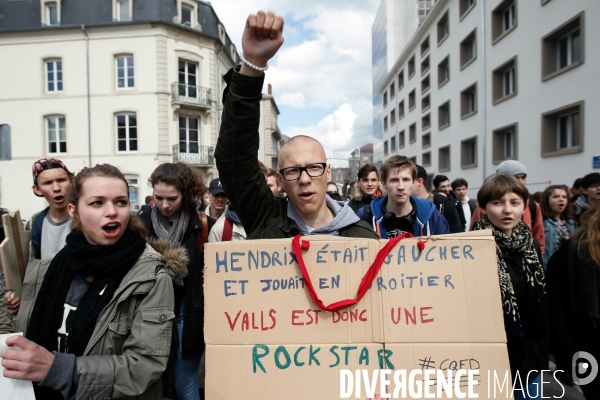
x=344 y=216
x=429 y=221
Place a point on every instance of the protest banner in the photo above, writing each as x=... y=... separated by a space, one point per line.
x=14 y=251
x=435 y=308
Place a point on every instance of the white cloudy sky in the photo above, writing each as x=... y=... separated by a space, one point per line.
x=321 y=76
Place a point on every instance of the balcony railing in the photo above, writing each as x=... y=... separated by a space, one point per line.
x=194 y=154
x=189 y=94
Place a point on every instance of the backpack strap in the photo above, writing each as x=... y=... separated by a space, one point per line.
x=203 y=237
x=227 y=230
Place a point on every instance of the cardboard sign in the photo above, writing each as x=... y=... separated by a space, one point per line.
x=14 y=251
x=13 y=389
x=437 y=308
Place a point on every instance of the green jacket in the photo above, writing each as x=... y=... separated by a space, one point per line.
x=5 y=320
x=263 y=215
x=129 y=348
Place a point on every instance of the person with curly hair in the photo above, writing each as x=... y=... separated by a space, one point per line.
x=177 y=188
x=502 y=200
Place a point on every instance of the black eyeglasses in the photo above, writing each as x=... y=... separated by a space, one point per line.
x=313 y=170
x=332 y=192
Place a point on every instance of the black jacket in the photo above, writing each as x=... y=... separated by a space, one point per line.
x=263 y=215
x=445 y=205
x=533 y=354
x=193 y=290
x=461 y=211
x=572 y=287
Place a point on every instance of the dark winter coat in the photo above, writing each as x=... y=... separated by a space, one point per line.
x=573 y=286
x=263 y=215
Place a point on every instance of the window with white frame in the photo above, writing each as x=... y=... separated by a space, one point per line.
x=563 y=48
x=125 y=72
x=508 y=144
x=468 y=49
x=568 y=49
x=468 y=101
x=508 y=82
x=444 y=159
x=56 y=134
x=504 y=143
x=189 y=137
x=566 y=130
x=562 y=130
x=504 y=81
x=188 y=72
x=52 y=17
x=468 y=156
x=508 y=18
x=186 y=14
x=54 y=78
x=127 y=138
x=123 y=10
x=385 y=123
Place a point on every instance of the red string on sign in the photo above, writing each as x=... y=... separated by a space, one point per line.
x=298 y=246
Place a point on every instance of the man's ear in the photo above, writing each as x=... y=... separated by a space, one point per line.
x=37 y=191
x=382 y=182
x=328 y=172
x=279 y=180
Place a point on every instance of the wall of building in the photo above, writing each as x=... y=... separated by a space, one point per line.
x=156 y=48
x=533 y=97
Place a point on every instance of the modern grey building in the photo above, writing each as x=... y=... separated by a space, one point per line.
x=483 y=81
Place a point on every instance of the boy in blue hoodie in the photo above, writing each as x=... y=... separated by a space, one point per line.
x=399 y=211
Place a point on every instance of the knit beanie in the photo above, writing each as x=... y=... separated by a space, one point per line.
x=511 y=167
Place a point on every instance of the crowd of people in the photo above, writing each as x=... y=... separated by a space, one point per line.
x=113 y=302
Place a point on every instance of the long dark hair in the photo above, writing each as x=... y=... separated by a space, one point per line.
x=547 y=211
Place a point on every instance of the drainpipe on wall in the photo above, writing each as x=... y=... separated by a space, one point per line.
x=87 y=68
x=218 y=86
x=484 y=90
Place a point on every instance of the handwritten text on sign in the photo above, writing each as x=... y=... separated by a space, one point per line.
x=230 y=262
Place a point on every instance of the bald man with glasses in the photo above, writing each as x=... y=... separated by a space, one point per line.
x=303 y=170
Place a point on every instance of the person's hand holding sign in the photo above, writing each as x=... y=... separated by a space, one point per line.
x=262 y=38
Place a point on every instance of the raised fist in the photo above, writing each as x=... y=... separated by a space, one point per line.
x=262 y=38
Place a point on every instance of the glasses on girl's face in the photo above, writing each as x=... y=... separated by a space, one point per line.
x=332 y=192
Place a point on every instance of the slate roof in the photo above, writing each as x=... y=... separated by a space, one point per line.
x=24 y=15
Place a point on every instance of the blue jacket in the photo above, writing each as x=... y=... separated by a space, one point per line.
x=551 y=235
x=429 y=221
x=36 y=233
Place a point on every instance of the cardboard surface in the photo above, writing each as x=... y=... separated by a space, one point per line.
x=14 y=251
x=442 y=302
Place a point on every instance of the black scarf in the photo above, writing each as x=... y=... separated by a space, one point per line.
x=521 y=242
x=107 y=264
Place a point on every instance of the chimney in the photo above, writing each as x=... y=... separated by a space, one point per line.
x=270 y=90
